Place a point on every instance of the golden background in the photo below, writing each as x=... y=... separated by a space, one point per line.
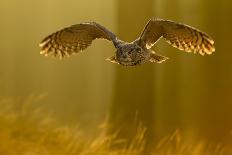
x=188 y=93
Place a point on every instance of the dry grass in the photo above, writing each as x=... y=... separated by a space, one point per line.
x=25 y=129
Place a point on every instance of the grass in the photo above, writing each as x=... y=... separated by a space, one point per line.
x=27 y=129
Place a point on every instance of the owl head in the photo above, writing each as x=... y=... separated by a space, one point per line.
x=129 y=54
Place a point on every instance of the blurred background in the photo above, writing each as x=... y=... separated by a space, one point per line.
x=188 y=92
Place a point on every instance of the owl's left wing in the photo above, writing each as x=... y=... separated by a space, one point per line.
x=74 y=39
x=178 y=35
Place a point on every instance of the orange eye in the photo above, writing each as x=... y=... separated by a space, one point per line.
x=137 y=49
x=130 y=51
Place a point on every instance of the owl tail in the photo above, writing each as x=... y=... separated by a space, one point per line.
x=112 y=59
x=157 y=58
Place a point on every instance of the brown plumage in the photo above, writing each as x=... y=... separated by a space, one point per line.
x=78 y=37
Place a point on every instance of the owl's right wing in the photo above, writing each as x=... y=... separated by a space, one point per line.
x=178 y=35
x=74 y=39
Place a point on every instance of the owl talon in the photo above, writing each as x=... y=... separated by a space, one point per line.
x=112 y=59
x=157 y=58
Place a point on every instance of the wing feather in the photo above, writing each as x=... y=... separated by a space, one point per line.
x=178 y=35
x=74 y=39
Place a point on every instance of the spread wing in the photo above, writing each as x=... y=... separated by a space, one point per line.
x=74 y=39
x=178 y=35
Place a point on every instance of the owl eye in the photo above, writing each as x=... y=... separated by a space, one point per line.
x=137 y=49
x=130 y=51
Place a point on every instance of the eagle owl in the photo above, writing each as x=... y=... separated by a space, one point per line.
x=78 y=37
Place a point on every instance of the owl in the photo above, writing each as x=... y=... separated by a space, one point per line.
x=77 y=38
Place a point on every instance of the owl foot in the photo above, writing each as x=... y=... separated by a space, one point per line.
x=157 y=58
x=112 y=59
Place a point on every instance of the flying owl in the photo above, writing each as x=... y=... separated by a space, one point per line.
x=77 y=38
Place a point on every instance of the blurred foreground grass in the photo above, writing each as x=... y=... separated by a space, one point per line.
x=27 y=129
